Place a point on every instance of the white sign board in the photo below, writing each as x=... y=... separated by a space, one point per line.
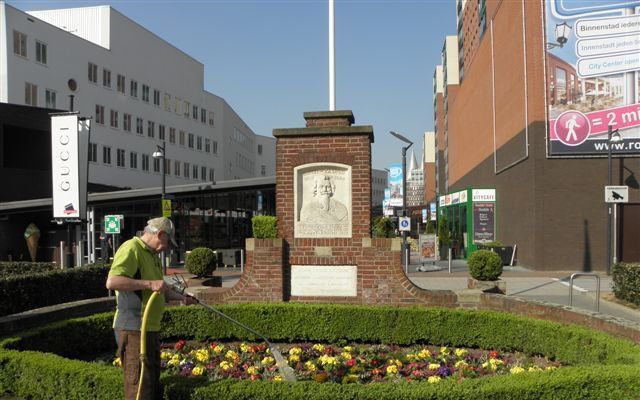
x=69 y=152
x=404 y=224
x=616 y=194
x=324 y=280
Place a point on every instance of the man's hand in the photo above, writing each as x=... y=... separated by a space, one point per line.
x=159 y=286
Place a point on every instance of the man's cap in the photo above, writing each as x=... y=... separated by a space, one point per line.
x=166 y=225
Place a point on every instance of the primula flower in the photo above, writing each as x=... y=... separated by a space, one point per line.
x=347 y=348
x=550 y=368
x=253 y=370
x=294 y=358
x=461 y=364
x=461 y=352
x=309 y=365
x=433 y=367
x=327 y=360
x=318 y=347
x=516 y=370
x=197 y=371
x=351 y=362
x=295 y=351
x=180 y=344
x=267 y=360
x=218 y=349
x=225 y=365
x=175 y=361
x=445 y=351
x=424 y=354
x=117 y=362
x=277 y=378
x=494 y=354
x=244 y=347
x=346 y=355
x=434 y=379
x=232 y=355
x=392 y=369
x=202 y=355
x=534 y=368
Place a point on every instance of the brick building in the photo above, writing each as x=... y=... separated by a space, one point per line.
x=494 y=128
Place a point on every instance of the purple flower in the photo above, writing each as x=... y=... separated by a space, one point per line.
x=444 y=371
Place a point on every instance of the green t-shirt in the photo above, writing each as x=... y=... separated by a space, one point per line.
x=134 y=260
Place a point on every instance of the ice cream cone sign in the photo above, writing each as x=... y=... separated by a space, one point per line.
x=32 y=235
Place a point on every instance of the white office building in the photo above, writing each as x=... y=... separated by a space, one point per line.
x=139 y=90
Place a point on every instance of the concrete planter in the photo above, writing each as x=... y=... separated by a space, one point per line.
x=498 y=286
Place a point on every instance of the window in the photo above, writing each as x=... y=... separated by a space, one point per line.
x=156 y=97
x=187 y=108
x=133 y=160
x=145 y=93
x=106 y=155
x=259 y=149
x=215 y=147
x=133 y=88
x=50 y=96
x=177 y=168
x=99 y=114
x=167 y=166
x=186 y=170
x=191 y=137
x=145 y=162
x=19 y=44
x=161 y=132
x=106 y=78
x=151 y=129
x=114 y=119
x=212 y=175
x=126 y=123
x=93 y=73
x=211 y=118
x=156 y=165
x=167 y=102
x=195 y=112
x=263 y=170
x=207 y=145
x=199 y=143
x=181 y=138
x=203 y=116
x=30 y=94
x=120 y=83
x=203 y=174
x=139 y=126
x=41 y=53
x=120 y=158
x=195 y=172
x=172 y=135
x=93 y=152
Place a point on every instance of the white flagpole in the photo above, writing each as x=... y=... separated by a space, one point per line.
x=332 y=59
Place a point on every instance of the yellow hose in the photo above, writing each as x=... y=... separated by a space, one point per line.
x=143 y=340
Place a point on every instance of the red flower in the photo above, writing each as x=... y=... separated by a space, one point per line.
x=351 y=363
x=494 y=354
x=180 y=344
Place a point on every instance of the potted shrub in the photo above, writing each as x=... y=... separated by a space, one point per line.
x=485 y=268
x=201 y=262
x=444 y=237
x=505 y=252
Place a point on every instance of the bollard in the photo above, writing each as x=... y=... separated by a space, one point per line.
x=449 y=255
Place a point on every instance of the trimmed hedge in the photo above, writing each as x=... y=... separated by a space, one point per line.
x=9 y=268
x=597 y=365
x=201 y=261
x=485 y=265
x=23 y=292
x=626 y=282
x=264 y=227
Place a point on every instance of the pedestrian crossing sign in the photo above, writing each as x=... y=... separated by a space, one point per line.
x=166 y=208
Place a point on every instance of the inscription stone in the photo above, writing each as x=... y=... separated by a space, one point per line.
x=324 y=280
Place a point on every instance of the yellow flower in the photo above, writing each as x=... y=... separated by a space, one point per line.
x=202 y=355
x=348 y=348
x=277 y=378
x=309 y=365
x=398 y=363
x=318 y=347
x=244 y=347
x=232 y=355
x=218 y=349
x=517 y=370
x=534 y=368
x=165 y=355
x=461 y=352
x=445 y=351
x=346 y=355
x=412 y=357
x=433 y=367
x=460 y=364
x=327 y=360
x=424 y=354
x=492 y=364
x=252 y=370
x=294 y=358
x=117 y=362
x=295 y=351
x=267 y=360
x=225 y=365
x=197 y=371
x=175 y=361
x=434 y=379
x=550 y=368
x=392 y=369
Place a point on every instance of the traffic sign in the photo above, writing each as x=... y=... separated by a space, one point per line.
x=405 y=224
x=166 y=208
x=112 y=224
x=616 y=194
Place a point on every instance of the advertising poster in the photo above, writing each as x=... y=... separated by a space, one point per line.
x=395 y=184
x=432 y=211
x=386 y=203
x=592 y=60
x=483 y=222
x=427 y=247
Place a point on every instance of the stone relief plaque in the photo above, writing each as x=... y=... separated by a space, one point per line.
x=324 y=280
x=322 y=197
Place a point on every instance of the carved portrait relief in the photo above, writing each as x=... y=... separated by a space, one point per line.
x=322 y=199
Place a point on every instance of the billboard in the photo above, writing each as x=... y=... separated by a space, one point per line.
x=69 y=160
x=592 y=59
x=395 y=184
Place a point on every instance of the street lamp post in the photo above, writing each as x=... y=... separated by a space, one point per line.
x=404 y=192
x=613 y=136
x=160 y=154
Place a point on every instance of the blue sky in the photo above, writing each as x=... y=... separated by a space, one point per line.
x=269 y=58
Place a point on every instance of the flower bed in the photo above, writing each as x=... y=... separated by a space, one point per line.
x=348 y=364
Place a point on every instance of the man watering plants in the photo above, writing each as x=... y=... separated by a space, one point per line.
x=135 y=274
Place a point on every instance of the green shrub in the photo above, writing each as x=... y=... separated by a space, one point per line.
x=8 y=268
x=596 y=365
x=485 y=265
x=201 y=261
x=383 y=227
x=431 y=227
x=34 y=290
x=444 y=236
x=626 y=282
x=264 y=227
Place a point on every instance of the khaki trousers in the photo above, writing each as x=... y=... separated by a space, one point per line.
x=129 y=353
